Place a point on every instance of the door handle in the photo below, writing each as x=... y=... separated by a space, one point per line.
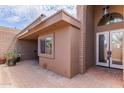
x=109 y=53
x=108 y=56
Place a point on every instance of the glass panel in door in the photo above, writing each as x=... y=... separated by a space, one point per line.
x=116 y=49
x=102 y=49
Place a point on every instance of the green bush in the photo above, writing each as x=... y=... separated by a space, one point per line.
x=12 y=54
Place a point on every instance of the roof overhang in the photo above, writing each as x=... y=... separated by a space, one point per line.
x=60 y=18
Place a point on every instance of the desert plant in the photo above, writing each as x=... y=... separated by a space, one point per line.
x=11 y=57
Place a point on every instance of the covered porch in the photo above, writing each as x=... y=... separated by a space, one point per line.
x=57 y=40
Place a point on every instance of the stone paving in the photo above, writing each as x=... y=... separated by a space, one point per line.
x=26 y=74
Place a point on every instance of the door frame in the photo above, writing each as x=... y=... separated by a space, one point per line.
x=111 y=64
x=97 y=49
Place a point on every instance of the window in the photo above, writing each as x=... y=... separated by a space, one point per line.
x=45 y=46
x=110 y=18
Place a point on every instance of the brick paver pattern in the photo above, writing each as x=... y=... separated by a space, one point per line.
x=27 y=74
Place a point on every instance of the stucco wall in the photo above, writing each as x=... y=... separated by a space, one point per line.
x=81 y=15
x=8 y=41
x=26 y=48
x=86 y=16
x=75 y=36
x=7 y=36
x=63 y=63
x=90 y=37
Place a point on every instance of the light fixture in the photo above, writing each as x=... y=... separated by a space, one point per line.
x=106 y=10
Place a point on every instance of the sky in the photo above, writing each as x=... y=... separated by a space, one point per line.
x=21 y=16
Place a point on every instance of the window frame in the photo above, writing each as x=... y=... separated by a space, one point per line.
x=39 y=46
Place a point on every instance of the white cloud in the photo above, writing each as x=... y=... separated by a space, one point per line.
x=27 y=11
x=13 y=19
x=22 y=15
x=48 y=9
x=30 y=11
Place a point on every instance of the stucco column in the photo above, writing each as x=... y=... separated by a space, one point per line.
x=81 y=14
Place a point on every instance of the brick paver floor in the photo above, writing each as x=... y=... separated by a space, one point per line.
x=28 y=75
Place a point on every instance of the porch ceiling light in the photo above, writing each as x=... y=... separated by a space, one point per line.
x=106 y=10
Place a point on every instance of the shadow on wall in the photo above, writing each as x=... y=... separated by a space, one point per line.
x=27 y=48
x=7 y=35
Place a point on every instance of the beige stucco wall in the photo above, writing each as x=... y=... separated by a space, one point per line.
x=26 y=48
x=7 y=36
x=65 y=61
x=81 y=15
x=8 y=41
x=86 y=16
x=90 y=37
x=75 y=36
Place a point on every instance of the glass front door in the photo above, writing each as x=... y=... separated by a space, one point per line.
x=116 y=47
x=102 y=49
x=109 y=49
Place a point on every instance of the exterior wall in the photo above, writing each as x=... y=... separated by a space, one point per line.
x=109 y=27
x=26 y=48
x=7 y=36
x=90 y=37
x=63 y=61
x=86 y=16
x=75 y=33
x=81 y=15
x=8 y=41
